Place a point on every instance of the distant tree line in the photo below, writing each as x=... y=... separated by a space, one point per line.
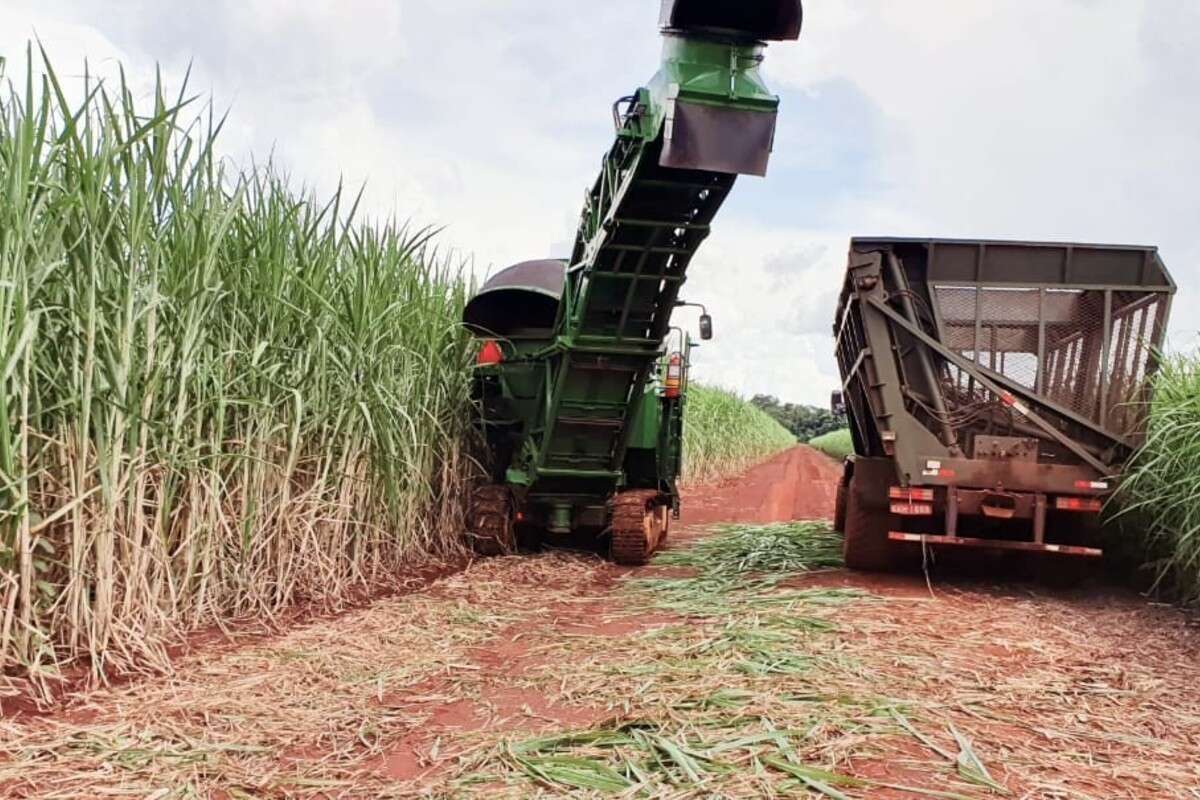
x=806 y=422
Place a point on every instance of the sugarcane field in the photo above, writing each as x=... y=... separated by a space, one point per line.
x=842 y=443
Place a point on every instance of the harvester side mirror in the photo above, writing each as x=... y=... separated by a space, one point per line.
x=706 y=327
x=837 y=404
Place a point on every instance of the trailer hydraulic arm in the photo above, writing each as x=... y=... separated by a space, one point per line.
x=992 y=386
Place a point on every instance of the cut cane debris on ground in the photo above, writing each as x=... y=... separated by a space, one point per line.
x=744 y=663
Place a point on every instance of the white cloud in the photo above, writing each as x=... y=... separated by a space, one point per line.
x=1064 y=119
x=772 y=292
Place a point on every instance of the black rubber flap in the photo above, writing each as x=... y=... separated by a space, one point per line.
x=524 y=297
x=730 y=140
x=765 y=20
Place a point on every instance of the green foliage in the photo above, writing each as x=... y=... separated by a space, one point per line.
x=837 y=444
x=220 y=396
x=1158 y=494
x=738 y=550
x=723 y=434
x=746 y=560
x=806 y=422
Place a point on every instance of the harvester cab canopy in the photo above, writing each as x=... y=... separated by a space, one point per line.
x=521 y=301
x=761 y=20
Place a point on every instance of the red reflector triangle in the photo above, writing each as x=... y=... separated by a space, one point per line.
x=490 y=353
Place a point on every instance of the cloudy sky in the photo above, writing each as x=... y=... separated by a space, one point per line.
x=1054 y=119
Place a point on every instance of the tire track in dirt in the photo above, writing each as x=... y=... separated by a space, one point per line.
x=796 y=484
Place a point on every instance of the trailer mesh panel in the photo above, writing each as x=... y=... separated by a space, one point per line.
x=1084 y=350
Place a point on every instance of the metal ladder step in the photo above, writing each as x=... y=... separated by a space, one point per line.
x=652 y=223
x=638 y=248
x=633 y=276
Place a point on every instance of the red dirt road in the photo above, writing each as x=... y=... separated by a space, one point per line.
x=1084 y=694
x=797 y=484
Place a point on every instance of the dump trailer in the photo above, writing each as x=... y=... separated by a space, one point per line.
x=994 y=391
x=578 y=401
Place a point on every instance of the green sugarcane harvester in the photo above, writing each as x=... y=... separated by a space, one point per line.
x=580 y=403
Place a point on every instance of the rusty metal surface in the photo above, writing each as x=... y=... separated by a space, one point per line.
x=989 y=261
x=728 y=140
x=545 y=276
x=1007 y=448
x=1022 y=476
x=986 y=503
x=995 y=544
x=1000 y=409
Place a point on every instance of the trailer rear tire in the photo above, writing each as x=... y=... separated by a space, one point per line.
x=866 y=546
x=839 y=503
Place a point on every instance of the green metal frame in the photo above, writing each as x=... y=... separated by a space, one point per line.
x=600 y=424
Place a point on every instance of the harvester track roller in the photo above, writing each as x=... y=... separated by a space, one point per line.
x=491 y=524
x=640 y=524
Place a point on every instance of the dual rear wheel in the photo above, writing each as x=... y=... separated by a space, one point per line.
x=863 y=516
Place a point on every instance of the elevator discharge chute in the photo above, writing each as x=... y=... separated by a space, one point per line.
x=583 y=432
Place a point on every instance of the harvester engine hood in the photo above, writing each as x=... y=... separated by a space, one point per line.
x=716 y=112
x=522 y=300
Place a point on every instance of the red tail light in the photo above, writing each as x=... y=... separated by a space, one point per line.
x=674 y=383
x=921 y=495
x=490 y=353
x=1078 y=504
